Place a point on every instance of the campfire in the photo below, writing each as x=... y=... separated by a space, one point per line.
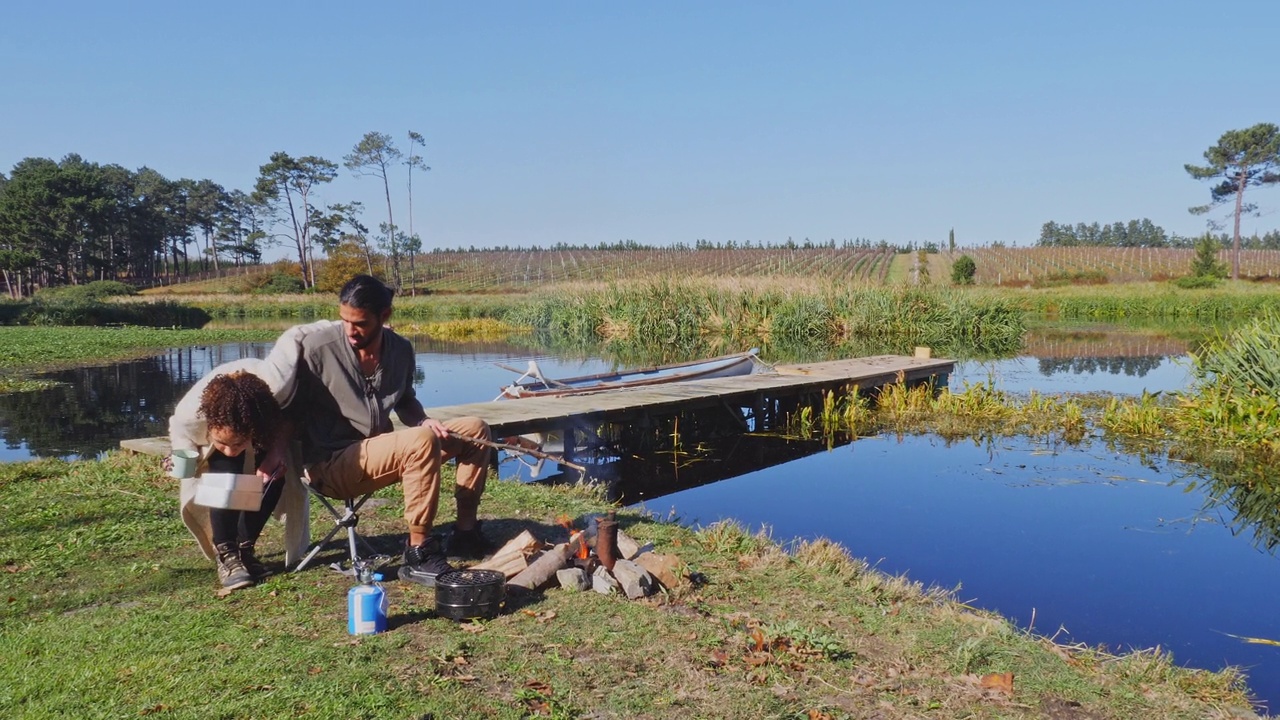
x=599 y=557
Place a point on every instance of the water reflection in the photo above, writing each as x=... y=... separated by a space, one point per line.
x=1245 y=499
x=1131 y=366
x=90 y=410
x=632 y=478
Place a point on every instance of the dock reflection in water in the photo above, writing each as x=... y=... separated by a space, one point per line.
x=631 y=478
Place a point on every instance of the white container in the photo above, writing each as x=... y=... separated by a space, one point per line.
x=229 y=491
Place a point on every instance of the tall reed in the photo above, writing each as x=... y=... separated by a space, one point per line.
x=1237 y=389
x=686 y=313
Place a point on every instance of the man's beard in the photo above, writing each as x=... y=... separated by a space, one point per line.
x=364 y=342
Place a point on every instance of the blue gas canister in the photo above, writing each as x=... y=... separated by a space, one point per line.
x=367 y=605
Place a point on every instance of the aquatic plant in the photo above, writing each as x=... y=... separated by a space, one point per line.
x=1237 y=385
x=1144 y=417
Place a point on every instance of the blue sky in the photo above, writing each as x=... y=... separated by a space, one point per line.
x=663 y=122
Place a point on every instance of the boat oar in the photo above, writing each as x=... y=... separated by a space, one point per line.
x=520 y=449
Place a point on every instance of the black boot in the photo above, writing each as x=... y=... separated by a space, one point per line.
x=422 y=563
x=468 y=544
x=251 y=561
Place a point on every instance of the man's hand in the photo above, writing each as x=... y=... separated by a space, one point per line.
x=437 y=427
x=272 y=465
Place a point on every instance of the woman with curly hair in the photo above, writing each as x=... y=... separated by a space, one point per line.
x=244 y=419
x=232 y=418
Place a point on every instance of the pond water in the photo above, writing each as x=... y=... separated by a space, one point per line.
x=1087 y=542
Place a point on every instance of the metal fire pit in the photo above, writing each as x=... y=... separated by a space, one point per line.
x=466 y=594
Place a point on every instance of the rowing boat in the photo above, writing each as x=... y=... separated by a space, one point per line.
x=533 y=384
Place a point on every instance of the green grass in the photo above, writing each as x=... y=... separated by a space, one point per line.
x=42 y=347
x=1146 y=300
x=110 y=611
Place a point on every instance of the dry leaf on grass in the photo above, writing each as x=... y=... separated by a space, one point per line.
x=537 y=700
x=997 y=681
x=473 y=628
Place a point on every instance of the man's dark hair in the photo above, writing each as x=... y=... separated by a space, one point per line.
x=365 y=292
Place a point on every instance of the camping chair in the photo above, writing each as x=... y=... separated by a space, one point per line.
x=348 y=517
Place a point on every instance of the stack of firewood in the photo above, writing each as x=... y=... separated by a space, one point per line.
x=636 y=571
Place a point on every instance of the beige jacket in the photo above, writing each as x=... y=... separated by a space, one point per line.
x=189 y=431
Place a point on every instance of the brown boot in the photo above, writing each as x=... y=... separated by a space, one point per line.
x=231 y=571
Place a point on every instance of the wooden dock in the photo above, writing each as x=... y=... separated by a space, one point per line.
x=757 y=398
x=549 y=414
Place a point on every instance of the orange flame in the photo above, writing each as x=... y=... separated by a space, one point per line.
x=565 y=522
x=583 y=551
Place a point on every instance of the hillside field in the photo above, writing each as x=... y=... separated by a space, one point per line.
x=503 y=271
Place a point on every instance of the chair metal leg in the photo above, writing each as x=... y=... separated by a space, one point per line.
x=348 y=519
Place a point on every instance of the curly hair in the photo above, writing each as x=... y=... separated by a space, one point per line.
x=242 y=403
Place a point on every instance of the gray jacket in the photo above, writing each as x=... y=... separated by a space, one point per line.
x=335 y=406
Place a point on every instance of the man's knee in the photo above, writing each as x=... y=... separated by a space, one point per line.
x=421 y=439
x=471 y=427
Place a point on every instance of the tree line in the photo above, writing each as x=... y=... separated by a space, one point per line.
x=632 y=245
x=1140 y=233
x=74 y=221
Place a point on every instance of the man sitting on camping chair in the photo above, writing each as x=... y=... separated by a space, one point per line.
x=351 y=376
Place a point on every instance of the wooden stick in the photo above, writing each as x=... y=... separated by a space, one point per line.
x=512 y=557
x=540 y=571
x=516 y=448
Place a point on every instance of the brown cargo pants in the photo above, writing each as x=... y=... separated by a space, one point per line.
x=412 y=456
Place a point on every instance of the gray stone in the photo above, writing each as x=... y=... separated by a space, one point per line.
x=636 y=582
x=574 y=579
x=603 y=583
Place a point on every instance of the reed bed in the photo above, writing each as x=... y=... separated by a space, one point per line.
x=680 y=313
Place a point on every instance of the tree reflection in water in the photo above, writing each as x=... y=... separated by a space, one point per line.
x=1131 y=366
x=90 y=410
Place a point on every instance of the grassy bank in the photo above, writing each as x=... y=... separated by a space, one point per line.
x=45 y=347
x=111 y=612
x=1149 y=300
